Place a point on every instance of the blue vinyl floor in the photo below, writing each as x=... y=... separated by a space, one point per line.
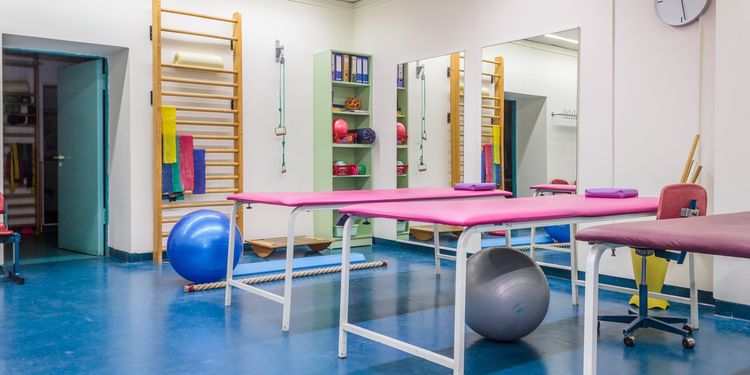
x=100 y=316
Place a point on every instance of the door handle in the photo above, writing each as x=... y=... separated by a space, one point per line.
x=59 y=159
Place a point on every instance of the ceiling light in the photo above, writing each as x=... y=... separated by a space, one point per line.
x=553 y=36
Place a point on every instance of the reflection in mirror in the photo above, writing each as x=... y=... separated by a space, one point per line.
x=529 y=112
x=423 y=152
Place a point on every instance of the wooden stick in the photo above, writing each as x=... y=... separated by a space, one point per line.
x=696 y=173
x=206 y=123
x=222 y=163
x=217 y=137
x=205 y=109
x=222 y=177
x=195 y=33
x=156 y=131
x=222 y=150
x=198 y=81
x=196 y=204
x=197 y=95
x=690 y=161
x=201 y=68
x=191 y=14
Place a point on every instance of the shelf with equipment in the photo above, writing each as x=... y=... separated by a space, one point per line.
x=21 y=115
x=402 y=145
x=343 y=163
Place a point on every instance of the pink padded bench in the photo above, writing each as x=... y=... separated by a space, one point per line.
x=321 y=201
x=725 y=235
x=479 y=217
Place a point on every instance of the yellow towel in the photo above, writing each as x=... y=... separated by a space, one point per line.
x=497 y=156
x=14 y=167
x=169 y=134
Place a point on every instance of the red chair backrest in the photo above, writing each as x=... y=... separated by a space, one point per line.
x=675 y=197
x=2 y=204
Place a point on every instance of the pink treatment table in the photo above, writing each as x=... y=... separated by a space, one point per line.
x=478 y=217
x=725 y=235
x=321 y=201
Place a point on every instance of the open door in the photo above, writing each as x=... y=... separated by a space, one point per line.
x=80 y=105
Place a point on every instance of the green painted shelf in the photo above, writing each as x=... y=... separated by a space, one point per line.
x=328 y=95
x=349 y=84
x=351 y=145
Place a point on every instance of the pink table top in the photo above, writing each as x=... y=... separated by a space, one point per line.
x=345 y=197
x=725 y=234
x=498 y=211
x=554 y=187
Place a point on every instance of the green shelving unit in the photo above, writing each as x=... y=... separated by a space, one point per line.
x=326 y=94
x=402 y=151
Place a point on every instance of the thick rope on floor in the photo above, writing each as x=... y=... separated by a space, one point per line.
x=280 y=276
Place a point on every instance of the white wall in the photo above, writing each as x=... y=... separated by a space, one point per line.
x=437 y=106
x=641 y=95
x=305 y=27
x=731 y=275
x=550 y=73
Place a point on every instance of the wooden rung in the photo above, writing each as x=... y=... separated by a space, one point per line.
x=29 y=195
x=191 y=14
x=221 y=150
x=195 y=33
x=224 y=137
x=485 y=74
x=490 y=116
x=205 y=109
x=20 y=205
x=202 y=68
x=20 y=216
x=483 y=60
x=198 y=81
x=487 y=97
x=196 y=95
x=222 y=164
x=222 y=177
x=206 y=123
x=170 y=220
x=196 y=204
x=484 y=106
x=214 y=191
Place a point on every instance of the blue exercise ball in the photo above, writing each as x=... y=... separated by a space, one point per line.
x=559 y=233
x=197 y=246
x=507 y=295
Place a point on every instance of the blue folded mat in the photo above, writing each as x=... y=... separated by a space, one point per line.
x=274 y=266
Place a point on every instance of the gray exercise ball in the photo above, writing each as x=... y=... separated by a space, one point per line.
x=507 y=295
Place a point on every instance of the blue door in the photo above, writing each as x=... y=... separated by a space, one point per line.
x=80 y=106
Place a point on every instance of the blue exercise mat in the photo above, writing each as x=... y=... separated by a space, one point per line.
x=541 y=239
x=274 y=266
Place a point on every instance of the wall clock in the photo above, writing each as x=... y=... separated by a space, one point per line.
x=680 y=12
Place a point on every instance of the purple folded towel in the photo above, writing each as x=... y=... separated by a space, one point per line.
x=475 y=186
x=611 y=193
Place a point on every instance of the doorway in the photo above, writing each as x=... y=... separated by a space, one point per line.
x=54 y=153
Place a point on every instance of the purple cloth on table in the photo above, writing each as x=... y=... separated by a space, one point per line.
x=475 y=186
x=611 y=193
x=199 y=171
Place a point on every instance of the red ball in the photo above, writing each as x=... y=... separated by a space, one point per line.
x=400 y=130
x=340 y=128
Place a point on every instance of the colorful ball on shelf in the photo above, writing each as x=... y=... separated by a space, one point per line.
x=400 y=132
x=352 y=103
x=340 y=128
x=366 y=136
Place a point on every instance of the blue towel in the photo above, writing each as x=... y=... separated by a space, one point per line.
x=199 y=171
x=166 y=178
x=484 y=170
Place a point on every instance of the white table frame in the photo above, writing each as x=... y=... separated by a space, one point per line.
x=285 y=299
x=465 y=245
x=591 y=305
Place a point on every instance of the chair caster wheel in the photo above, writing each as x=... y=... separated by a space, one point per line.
x=688 y=327
x=629 y=340
x=688 y=343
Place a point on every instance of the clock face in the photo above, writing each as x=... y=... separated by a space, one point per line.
x=680 y=12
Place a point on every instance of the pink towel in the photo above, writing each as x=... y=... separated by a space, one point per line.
x=487 y=150
x=186 y=162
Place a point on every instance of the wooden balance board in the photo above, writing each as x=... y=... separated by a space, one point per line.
x=425 y=232
x=265 y=247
